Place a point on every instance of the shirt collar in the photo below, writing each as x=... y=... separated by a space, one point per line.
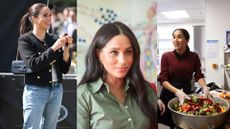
x=127 y=85
x=99 y=84
x=179 y=56
x=96 y=86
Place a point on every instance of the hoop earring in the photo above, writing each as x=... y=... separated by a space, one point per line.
x=102 y=71
x=101 y=67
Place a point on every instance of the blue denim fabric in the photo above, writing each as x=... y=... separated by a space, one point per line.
x=41 y=106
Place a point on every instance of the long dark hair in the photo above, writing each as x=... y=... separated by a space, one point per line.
x=26 y=22
x=138 y=85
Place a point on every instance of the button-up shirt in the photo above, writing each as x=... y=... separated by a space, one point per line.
x=97 y=108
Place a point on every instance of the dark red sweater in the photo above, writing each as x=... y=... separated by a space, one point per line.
x=182 y=68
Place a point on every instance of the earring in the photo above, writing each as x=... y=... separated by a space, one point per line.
x=101 y=66
x=30 y=19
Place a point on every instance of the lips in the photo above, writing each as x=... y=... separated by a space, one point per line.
x=122 y=69
x=48 y=24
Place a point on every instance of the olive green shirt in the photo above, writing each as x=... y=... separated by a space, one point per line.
x=97 y=108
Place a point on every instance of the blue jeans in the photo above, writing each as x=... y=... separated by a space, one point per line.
x=41 y=106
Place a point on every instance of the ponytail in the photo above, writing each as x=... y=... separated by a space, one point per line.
x=25 y=24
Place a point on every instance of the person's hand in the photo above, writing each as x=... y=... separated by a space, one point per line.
x=161 y=106
x=69 y=41
x=206 y=92
x=181 y=96
x=59 y=43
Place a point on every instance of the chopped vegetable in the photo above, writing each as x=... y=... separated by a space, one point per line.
x=199 y=106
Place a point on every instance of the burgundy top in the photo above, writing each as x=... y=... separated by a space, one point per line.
x=175 y=66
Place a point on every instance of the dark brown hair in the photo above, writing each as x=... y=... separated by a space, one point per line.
x=26 y=23
x=138 y=85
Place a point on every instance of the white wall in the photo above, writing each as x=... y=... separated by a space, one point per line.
x=199 y=43
x=217 y=22
x=199 y=40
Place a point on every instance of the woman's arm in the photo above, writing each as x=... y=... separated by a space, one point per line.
x=66 y=54
x=169 y=87
x=202 y=82
x=205 y=88
x=178 y=92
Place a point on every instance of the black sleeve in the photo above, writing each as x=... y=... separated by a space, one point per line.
x=31 y=57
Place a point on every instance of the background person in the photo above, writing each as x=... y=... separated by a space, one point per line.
x=160 y=104
x=177 y=70
x=113 y=93
x=48 y=57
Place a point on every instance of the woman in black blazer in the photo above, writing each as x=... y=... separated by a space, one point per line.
x=48 y=57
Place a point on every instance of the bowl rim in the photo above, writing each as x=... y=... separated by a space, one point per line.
x=199 y=116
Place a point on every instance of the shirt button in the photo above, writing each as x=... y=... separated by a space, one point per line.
x=50 y=70
x=38 y=77
x=129 y=119
x=126 y=107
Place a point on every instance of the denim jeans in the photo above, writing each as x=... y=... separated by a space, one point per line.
x=41 y=106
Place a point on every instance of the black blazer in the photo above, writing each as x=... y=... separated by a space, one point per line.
x=39 y=56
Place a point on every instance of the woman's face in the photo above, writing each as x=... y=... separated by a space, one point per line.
x=179 y=40
x=43 y=20
x=116 y=57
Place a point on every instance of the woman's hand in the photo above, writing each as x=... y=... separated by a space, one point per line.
x=59 y=43
x=161 y=106
x=181 y=96
x=68 y=43
x=63 y=42
x=206 y=92
x=205 y=88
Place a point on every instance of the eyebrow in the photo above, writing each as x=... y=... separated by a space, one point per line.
x=125 y=48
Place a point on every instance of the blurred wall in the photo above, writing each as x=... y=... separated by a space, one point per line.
x=140 y=16
x=217 y=23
